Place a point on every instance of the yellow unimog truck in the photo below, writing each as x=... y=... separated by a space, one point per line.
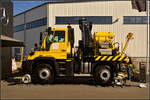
x=96 y=55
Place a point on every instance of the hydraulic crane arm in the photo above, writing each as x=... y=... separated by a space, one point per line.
x=129 y=37
x=85 y=28
x=85 y=44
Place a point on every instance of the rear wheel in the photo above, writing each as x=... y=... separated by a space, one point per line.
x=43 y=73
x=103 y=75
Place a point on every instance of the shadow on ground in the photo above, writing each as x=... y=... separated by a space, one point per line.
x=62 y=80
x=84 y=80
x=75 y=80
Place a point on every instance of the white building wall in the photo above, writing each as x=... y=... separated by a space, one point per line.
x=19 y=35
x=36 y=14
x=30 y=36
x=33 y=36
x=18 y=20
x=116 y=9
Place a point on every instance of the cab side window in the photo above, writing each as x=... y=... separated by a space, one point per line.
x=59 y=36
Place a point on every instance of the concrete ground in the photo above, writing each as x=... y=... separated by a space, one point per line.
x=72 y=88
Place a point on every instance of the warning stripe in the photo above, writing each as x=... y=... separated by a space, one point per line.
x=98 y=58
x=126 y=59
x=115 y=58
x=102 y=59
x=112 y=58
x=121 y=58
x=109 y=58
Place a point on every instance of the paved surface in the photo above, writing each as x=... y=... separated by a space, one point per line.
x=71 y=88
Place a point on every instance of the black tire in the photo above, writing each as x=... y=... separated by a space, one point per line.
x=43 y=74
x=103 y=75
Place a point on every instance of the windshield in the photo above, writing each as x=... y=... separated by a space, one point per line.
x=55 y=36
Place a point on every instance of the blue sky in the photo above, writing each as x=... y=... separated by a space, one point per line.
x=20 y=6
x=23 y=5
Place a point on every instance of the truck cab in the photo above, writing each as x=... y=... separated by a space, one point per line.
x=53 y=56
x=55 y=44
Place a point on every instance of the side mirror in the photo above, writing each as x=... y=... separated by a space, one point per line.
x=41 y=36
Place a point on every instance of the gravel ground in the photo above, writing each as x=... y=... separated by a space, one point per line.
x=72 y=88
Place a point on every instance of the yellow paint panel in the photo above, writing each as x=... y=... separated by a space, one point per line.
x=56 y=55
x=57 y=50
x=103 y=36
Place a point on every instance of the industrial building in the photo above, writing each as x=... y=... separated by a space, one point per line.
x=6 y=40
x=106 y=16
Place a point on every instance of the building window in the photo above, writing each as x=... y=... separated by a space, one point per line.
x=19 y=28
x=75 y=19
x=28 y=26
x=33 y=24
x=135 y=20
x=36 y=23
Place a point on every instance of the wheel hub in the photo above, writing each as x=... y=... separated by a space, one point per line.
x=105 y=75
x=44 y=73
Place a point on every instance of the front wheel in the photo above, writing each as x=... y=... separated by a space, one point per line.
x=103 y=75
x=43 y=73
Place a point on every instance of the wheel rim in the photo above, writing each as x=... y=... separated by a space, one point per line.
x=44 y=73
x=105 y=75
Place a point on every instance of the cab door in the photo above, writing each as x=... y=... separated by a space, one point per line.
x=59 y=46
